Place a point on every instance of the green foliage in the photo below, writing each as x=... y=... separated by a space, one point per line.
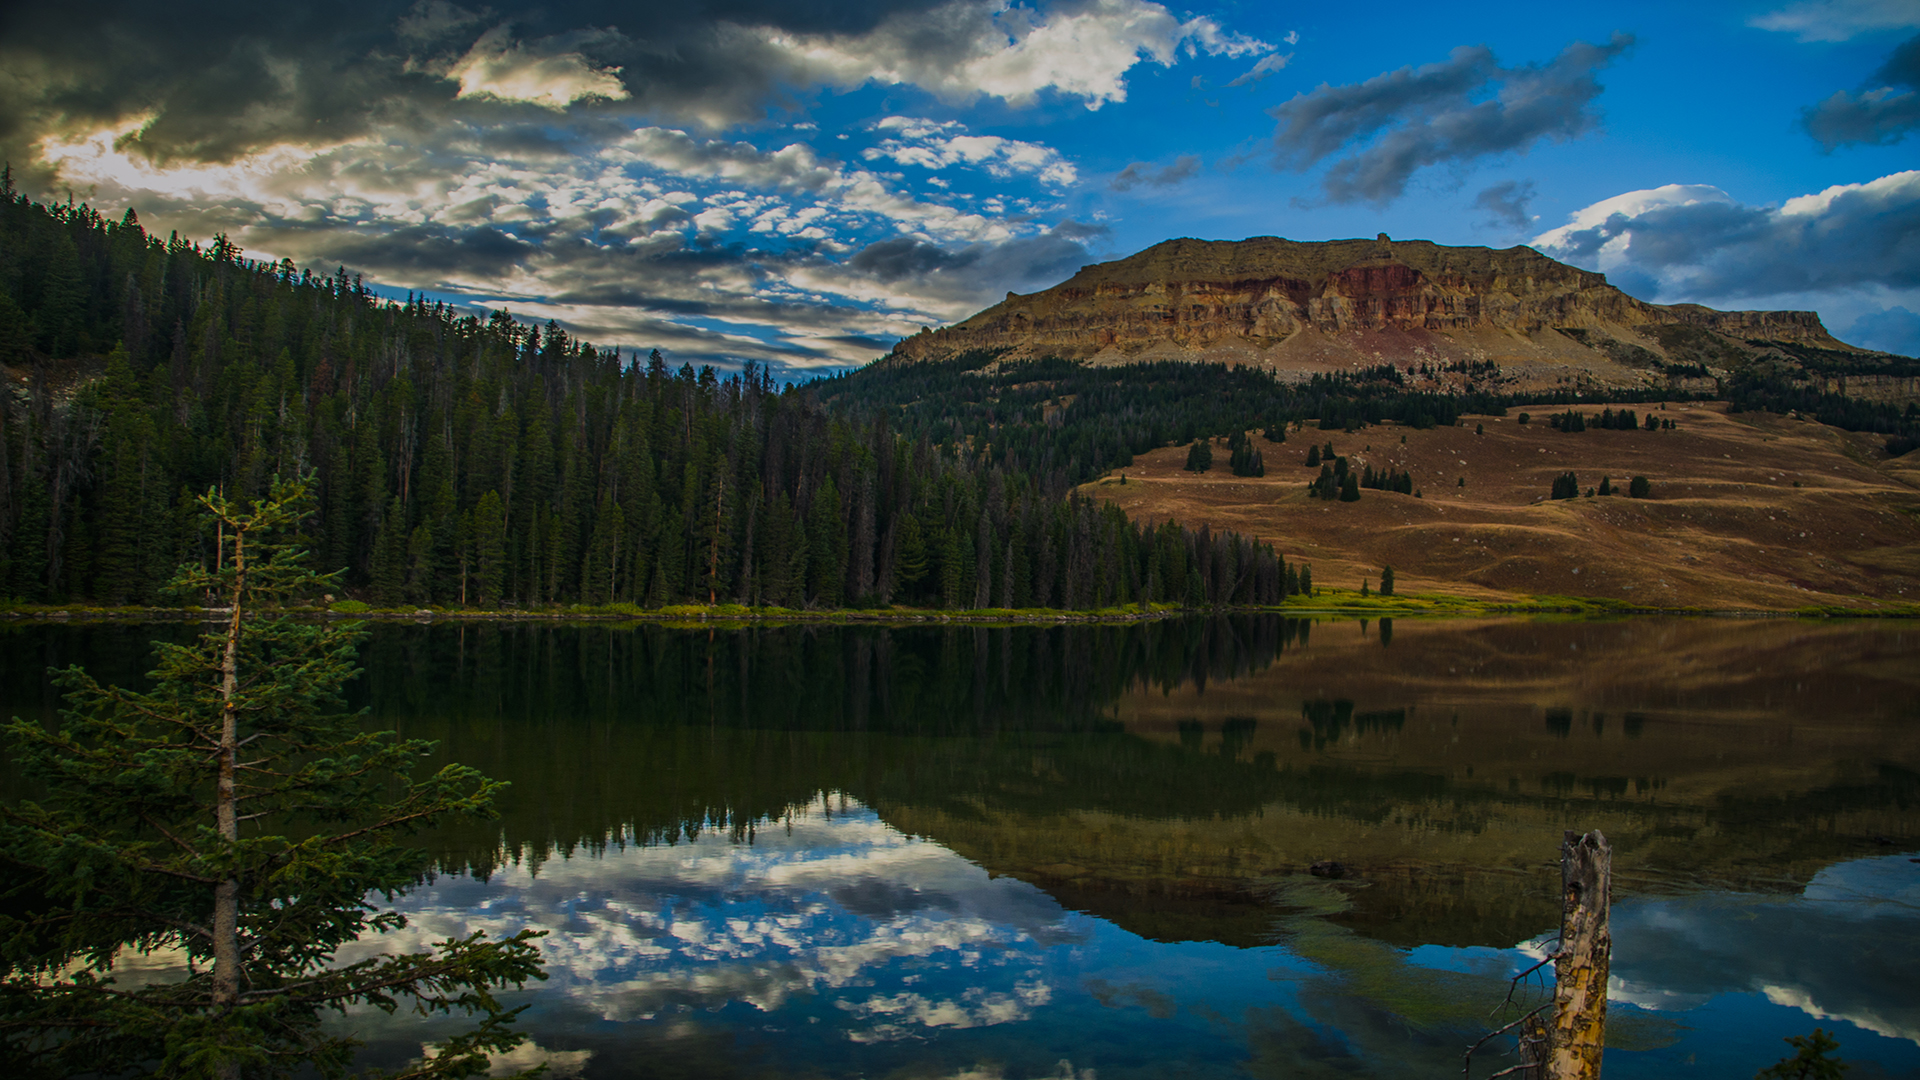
x=1758 y=392
x=1565 y=486
x=1810 y=1060
x=1350 y=488
x=236 y=817
x=1386 y=581
x=1639 y=488
x=1200 y=455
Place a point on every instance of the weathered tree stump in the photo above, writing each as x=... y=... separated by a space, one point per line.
x=1585 y=956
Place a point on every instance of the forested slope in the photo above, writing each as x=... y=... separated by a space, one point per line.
x=474 y=461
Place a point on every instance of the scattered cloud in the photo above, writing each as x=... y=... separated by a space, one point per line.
x=1695 y=242
x=1467 y=107
x=1258 y=73
x=716 y=250
x=1880 y=113
x=1140 y=172
x=1506 y=204
x=1838 y=20
x=940 y=145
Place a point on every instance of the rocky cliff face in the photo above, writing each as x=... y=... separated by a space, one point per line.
x=1299 y=308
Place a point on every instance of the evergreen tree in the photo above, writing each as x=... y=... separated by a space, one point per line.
x=1386 y=581
x=490 y=549
x=1200 y=455
x=1809 y=1061
x=161 y=828
x=1313 y=456
x=1639 y=488
x=910 y=558
x=1350 y=489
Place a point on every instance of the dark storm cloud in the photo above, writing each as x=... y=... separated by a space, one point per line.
x=1894 y=330
x=1506 y=204
x=1880 y=113
x=901 y=257
x=1138 y=173
x=415 y=251
x=1859 y=235
x=977 y=275
x=222 y=77
x=1464 y=108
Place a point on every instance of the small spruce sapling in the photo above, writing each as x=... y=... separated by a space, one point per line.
x=235 y=815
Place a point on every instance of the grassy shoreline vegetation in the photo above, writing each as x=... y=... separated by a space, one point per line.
x=1328 y=602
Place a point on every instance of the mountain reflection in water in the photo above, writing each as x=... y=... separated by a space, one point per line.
x=1041 y=852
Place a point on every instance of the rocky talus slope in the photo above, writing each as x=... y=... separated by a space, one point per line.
x=1299 y=308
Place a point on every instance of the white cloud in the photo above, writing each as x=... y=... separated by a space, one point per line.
x=934 y=145
x=1848 y=251
x=498 y=67
x=1699 y=242
x=1838 y=20
x=1576 y=240
x=968 y=49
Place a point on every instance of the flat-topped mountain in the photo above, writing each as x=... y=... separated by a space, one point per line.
x=1298 y=308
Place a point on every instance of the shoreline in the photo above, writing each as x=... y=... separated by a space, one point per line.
x=1340 y=603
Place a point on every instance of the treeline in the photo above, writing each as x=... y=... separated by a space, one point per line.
x=1068 y=423
x=1901 y=424
x=480 y=461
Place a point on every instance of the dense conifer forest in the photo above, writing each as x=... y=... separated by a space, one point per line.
x=470 y=460
x=473 y=461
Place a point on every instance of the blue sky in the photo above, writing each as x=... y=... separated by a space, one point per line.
x=803 y=183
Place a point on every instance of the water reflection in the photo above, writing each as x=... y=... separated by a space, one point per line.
x=1027 y=852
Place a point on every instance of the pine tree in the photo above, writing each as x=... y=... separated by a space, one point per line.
x=490 y=550
x=1200 y=455
x=1350 y=489
x=159 y=830
x=1386 y=581
x=390 y=555
x=1639 y=488
x=1313 y=456
x=910 y=558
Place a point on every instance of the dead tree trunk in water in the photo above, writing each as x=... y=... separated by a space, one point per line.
x=1585 y=956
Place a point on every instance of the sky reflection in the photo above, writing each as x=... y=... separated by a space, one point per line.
x=833 y=944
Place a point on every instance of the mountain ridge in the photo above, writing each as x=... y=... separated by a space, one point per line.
x=1300 y=308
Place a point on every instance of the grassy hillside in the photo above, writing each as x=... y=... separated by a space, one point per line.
x=1745 y=510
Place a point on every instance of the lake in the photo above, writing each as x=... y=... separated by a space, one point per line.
x=1089 y=851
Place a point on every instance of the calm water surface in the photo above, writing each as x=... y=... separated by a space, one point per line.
x=1085 y=852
